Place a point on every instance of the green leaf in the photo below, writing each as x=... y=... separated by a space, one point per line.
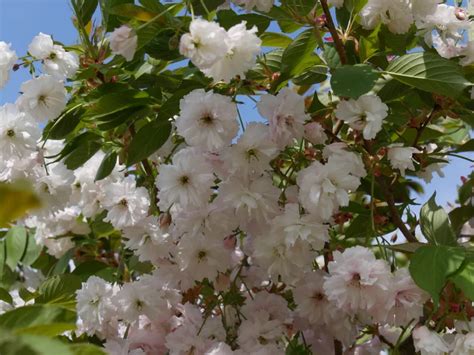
x=299 y=55
x=89 y=268
x=272 y=39
x=466 y=147
x=86 y=349
x=405 y=247
x=60 y=290
x=82 y=154
x=315 y=74
x=464 y=279
x=115 y=102
x=204 y=7
x=27 y=344
x=164 y=45
x=107 y=166
x=228 y=18
x=32 y=252
x=300 y=7
x=86 y=9
x=16 y=241
x=459 y=216
x=109 y=20
x=64 y=124
x=435 y=224
x=353 y=81
x=331 y=56
x=148 y=140
x=5 y=296
x=37 y=318
x=62 y=263
x=431 y=265
x=429 y=72
x=132 y=11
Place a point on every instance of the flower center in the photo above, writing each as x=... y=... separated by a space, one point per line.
x=201 y=255
x=207 y=120
x=355 y=280
x=123 y=202
x=318 y=296
x=184 y=180
x=11 y=133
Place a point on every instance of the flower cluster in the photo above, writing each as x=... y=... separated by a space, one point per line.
x=233 y=235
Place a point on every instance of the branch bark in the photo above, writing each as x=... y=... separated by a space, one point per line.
x=387 y=192
x=394 y=212
x=335 y=36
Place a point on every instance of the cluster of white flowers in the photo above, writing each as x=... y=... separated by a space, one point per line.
x=218 y=53
x=238 y=240
x=443 y=26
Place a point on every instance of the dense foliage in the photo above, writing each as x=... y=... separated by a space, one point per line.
x=144 y=213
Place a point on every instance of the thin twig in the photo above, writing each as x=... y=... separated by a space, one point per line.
x=423 y=125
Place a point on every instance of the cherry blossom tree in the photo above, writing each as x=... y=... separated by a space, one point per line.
x=143 y=212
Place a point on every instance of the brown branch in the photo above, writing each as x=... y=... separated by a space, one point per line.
x=335 y=36
x=394 y=212
x=387 y=192
x=419 y=130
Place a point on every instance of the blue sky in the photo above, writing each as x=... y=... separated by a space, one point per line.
x=21 y=20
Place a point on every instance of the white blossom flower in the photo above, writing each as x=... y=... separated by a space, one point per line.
x=7 y=61
x=251 y=201
x=202 y=257
x=280 y=260
x=445 y=21
x=464 y=344
x=314 y=133
x=293 y=226
x=244 y=45
x=126 y=203
x=312 y=303
x=357 y=281
x=428 y=342
x=220 y=349
x=205 y=44
x=423 y=8
x=141 y=297
x=365 y=114
x=323 y=188
x=468 y=53
x=148 y=240
x=94 y=306
x=41 y=46
x=406 y=300
x=187 y=181
x=286 y=115
x=44 y=97
x=56 y=61
x=396 y=14
x=401 y=157
x=447 y=47
x=123 y=41
x=18 y=131
x=252 y=153
x=207 y=120
x=191 y=333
